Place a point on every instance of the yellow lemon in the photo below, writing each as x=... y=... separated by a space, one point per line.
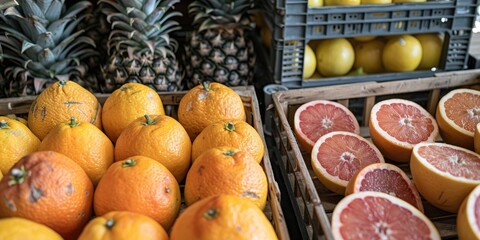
x=368 y=55
x=402 y=54
x=309 y=62
x=335 y=57
x=431 y=50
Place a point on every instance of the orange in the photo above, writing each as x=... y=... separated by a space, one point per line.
x=222 y=217
x=48 y=188
x=159 y=137
x=335 y=57
x=20 y=228
x=337 y=156
x=319 y=117
x=233 y=133
x=206 y=104
x=386 y=178
x=431 y=50
x=16 y=140
x=60 y=101
x=142 y=185
x=20 y=119
x=402 y=54
x=226 y=170
x=84 y=143
x=377 y=215
x=457 y=115
x=123 y=225
x=309 y=62
x=368 y=56
x=126 y=104
x=468 y=222
x=397 y=125
x=444 y=174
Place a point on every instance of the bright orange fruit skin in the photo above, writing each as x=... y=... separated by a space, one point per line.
x=222 y=217
x=226 y=170
x=123 y=225
x=234 y=133
x=142 y=185
x=55 y=191
x=60 y=101
x=163 y=139
x=206 y=104
x=85 y=144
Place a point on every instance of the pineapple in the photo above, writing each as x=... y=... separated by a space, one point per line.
x=40 y=44
x=7 y=3
x=218 y=50
x=139 y=47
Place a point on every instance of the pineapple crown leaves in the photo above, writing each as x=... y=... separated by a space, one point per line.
x=215 y=14
x=7 y=3
x=141 y=24
x=40 y=38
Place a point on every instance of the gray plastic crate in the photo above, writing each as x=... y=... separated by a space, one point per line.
x=294 y=24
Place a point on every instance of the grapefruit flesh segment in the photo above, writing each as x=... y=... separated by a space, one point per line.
x=468 y=218
x=386 y=178
x=317 y=118
x=396 y=125
x=377 y=215
x=444 y=174
x=458 y=113
x=337 y=156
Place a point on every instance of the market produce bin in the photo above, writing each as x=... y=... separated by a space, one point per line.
x=293 y=24
x=315 y=203
x=21 y=105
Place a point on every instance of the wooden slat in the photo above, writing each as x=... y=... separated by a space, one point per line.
x=314 y=193
x=171 y=100
x=368 y=105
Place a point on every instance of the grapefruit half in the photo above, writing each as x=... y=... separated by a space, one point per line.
x=396 y=125
x=458 y=113
x=386 y=178
x=444 y=174
x=316 y=118
x=377 y=215
x=337 y=156
x=468 y=218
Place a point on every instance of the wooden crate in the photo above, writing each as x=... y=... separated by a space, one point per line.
x=273 y=210
x=316 y=202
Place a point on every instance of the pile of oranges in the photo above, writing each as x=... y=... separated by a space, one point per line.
x=81 y=169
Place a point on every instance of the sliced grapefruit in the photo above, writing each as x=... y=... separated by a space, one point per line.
x=476 y=139
x=316 y=118
x=386 y=178
x=337 y=156
x=444 y=174
x=396 y=125
x=468 y=218
x=458 y=112
x=377 y=215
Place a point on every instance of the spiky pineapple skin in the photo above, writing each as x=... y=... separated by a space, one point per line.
x=139 y=46
x=223 y=55
x=160 y=73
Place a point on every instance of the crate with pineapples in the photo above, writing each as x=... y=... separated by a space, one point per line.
x=106 y=44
